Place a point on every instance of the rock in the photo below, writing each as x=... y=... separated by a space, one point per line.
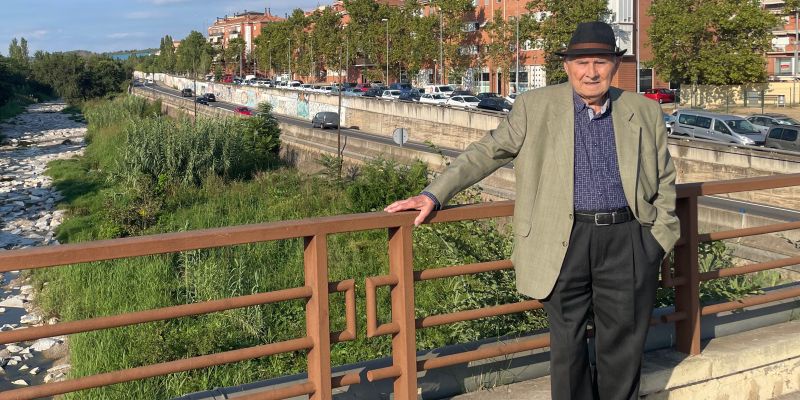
x=24 y=367
x=2 y=310
x=13 y=302
x=31 y=319
x=44 y=344
x=14 y=348
x=35 y=370
x=67 y=142
x=12 y=362
x=7 y=327
x=20 y=382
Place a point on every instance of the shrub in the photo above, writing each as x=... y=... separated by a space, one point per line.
x=382 y=181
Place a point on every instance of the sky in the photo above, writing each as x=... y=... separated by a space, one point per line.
x=111 y=25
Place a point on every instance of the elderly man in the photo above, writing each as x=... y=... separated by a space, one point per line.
x=594 y=214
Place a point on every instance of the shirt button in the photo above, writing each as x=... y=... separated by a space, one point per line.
x=564 y=244
x=570 y=217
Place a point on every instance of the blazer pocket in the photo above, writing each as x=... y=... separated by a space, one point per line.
x=522 y=228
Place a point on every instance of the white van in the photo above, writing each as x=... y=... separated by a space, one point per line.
x=718 y=127
x=445 y=90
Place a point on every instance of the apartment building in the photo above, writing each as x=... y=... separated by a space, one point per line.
x=246 y=25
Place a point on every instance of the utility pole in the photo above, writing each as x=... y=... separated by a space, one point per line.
x=386 y=21
x=516 y=49
x=313 y=67
x=269 y=44
x=794 y=62
x=289 y=54
x=194 y=89
x=339 y=123
x=441 y=47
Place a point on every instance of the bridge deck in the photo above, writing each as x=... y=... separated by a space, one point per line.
x=760 y=364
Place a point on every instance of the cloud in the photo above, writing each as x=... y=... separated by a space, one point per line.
x=123 y=35
x=145 y=14
x=37 y=34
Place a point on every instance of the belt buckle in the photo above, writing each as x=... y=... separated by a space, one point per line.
x=596 y=222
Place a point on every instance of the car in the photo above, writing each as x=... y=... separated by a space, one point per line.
x=352 y=91
x=328 y=89
x=201 y=100
x=376 y=84
x=463 y=101
x=461 y=93
x=668 y=121
x=373 y=92
x=432 y=98
x=325 y=119
x=210 y=97
x=444 y=90
x=717 y=127
x=243 y=111
x=484 y=95
x=363 y=87
x=511 y=97
x=783 y=137
x=495 y=104
x=660 y=95
x=412 y=95
x=390 y=94
x=187 y=92
x=402 y=87
x=764 y=121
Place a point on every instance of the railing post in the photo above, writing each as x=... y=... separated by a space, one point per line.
x=687 y=295
x=317 y=319
x=404 y=343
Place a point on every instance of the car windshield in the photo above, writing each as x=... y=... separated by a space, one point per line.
x=445 y=89
x=438 y=96
x=787 y=121
x=471 y=99
x=742 y=126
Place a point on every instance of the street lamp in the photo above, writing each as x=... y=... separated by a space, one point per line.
x=516 y=50
x=289 y=56
x=269 y=45
x=386 y=20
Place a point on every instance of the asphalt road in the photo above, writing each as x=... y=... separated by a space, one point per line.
x=755 y=209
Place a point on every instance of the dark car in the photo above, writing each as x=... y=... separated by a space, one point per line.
x=411 y=95
x=325 y=119
x=210 y=96
x=202 y=100
x=784 y=137
x=495 y=104
x=243 y=111
x=373 y=92
x=461 y=93
x=484 y=95
x=402 y=87
x=187 y=93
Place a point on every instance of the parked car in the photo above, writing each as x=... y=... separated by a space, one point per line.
x=243 y=111
x=187 y=93
x=718 y=127
x=363 y=87
x=668 y=120
x=201 y=100
x=402 y=87
x=511 y=98
x=373 y=92
x=463 y=101
x=412 y=95
x=783 y=137
x=764 y=121
x=660 y=95
x=433 y=98
x=495 y=104
x=445 y=90
x=461 y=93
x=484 y=95
x=390 y=94
x=210 y=97
x=352 y=91
x=325 y=119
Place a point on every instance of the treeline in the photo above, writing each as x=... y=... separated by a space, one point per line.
x=72 y=76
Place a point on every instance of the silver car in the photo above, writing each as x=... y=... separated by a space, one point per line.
x=763 y=122
x=717 y=127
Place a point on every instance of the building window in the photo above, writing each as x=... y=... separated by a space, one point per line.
x=783 y=66
x=645 y=79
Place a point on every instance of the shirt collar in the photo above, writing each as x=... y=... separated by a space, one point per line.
x=581 y=105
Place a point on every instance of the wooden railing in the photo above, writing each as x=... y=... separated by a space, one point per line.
x=684 y=276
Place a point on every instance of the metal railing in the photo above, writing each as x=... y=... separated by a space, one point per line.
x=684 y=277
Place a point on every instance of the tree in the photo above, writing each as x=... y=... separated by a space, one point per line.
x=454 y=36
x=502 y=40
x=553 y=29
x=166 y=56
x=234 y=53
x=194 y=54
x=718 y=43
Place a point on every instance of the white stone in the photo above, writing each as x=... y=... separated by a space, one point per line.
x=35 y=370
x=31 y=319
x=14 y=348
x=12 y=362
x=44 y=344
x=13 y=302
x=20 y=382
x=23 y=367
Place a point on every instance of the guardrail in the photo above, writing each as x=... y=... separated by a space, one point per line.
x=683 y=276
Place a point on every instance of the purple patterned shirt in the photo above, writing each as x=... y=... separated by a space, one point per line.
x=598 y=185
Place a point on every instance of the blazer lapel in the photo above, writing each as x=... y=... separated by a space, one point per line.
x=627 y=137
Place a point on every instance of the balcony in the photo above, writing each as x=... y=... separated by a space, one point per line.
x=683 y=276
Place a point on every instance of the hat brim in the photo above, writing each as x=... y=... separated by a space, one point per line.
x=583 y=52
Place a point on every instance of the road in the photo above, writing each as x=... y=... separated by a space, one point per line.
x=739 y=206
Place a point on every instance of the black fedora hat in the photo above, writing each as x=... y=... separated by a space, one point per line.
x=592 y=38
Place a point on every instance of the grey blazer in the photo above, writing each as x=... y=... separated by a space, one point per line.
x=538 y=134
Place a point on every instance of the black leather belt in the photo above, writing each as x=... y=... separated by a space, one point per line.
x=605 y=218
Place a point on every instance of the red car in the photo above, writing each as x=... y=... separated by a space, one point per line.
x=243 y=111
x=660 y=95
x=363 y=87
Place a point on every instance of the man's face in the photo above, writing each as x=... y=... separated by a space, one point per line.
x=591 y=75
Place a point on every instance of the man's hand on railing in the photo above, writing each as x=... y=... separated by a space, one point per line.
x=420 y=202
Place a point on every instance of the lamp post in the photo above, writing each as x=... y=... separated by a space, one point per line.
x=386 y=21
x=441 y=47
x=516 y=50
x=269 y=45
x=794 y=63
x=289 y=56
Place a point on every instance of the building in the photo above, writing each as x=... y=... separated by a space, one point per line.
x=779 y=59
x=246 y=25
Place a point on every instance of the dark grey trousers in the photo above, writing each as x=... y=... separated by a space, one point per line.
x=609 y=275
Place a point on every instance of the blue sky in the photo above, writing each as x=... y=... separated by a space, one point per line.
x=109 y=25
